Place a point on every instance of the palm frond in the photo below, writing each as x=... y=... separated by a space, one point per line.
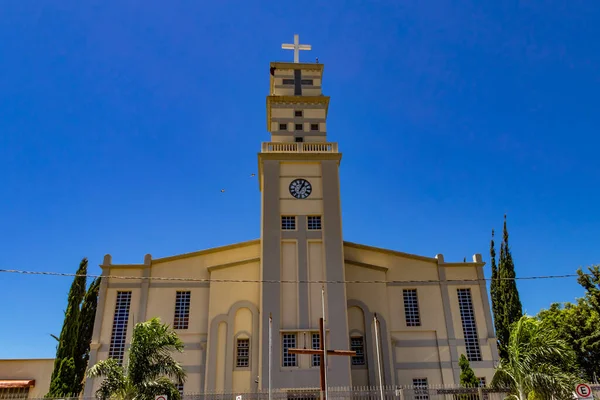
x=163 y=385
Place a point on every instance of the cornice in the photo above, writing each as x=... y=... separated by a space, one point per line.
x=302 y=66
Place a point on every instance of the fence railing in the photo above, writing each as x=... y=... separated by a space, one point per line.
x=445 y=392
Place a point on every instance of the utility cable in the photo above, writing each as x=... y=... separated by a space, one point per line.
x=212 y=280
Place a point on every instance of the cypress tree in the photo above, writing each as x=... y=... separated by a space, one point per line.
x=68 y=339
x=62 y=384
x=495 y=288
x=87 y=316
x=510 y=308
x=467 y=376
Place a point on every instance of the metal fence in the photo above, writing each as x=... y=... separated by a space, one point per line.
x=363 y=393
x=338 y=393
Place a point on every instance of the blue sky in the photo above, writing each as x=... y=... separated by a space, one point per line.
x=121 y=121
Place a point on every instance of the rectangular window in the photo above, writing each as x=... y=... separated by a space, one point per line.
x=297 y=113
x=283 y=127
x=421 y=389
x=182 y=310
x=314 y=127
x=313 y=223
x=308 y=82
x=288 y=222
x=357 y=344
x=288 y=81
x=116 y=349
x=243 y=353
x=316 y=344
x=467 y=315
x=411 y=307
x=299 y=139
x=289 y=342
x=299 y=127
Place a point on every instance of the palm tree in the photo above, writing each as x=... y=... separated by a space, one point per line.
x=538 y=365
x=150 y=369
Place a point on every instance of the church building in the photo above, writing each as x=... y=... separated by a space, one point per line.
x=429 y=311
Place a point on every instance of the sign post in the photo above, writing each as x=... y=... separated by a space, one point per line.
x=583 y=391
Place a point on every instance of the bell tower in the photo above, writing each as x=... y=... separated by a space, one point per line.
x=301 y=229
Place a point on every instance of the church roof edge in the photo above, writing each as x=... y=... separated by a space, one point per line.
x=207 y=251
x=414 y=256
x=292 y=65
x=184 y=255
x=388 y=251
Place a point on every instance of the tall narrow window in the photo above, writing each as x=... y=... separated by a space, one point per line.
x=179 y=387
x=182 y=310
x=467 y=315
x=421 y=389
x=316 y=344
x=116 y=349
x=289 y=342
x=357 y=344
x=243 y=353
x=411 y=307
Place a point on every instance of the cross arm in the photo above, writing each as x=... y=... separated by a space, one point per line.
x=305 y=351
x=347 y=353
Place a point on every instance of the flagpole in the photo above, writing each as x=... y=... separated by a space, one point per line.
x=270 y=350
x=378 y=355
x=324 y=339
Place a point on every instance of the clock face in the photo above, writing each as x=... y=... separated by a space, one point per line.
x=300 y=188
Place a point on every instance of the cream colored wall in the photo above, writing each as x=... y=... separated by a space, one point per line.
x=316 y=272
x=289 y=291
x=313 y=205
x=39 y=370
x=232 y=262
x=223 y=296
x=387 y=300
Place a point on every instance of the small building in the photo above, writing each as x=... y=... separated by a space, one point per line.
x=25 y=378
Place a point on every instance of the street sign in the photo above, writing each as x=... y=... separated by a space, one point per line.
x=583 y=391
x=238 y=397
x=161 y=397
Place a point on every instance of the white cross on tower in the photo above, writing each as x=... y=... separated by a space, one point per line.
x=296 y=47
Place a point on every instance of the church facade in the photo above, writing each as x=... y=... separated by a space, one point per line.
x=430 y=311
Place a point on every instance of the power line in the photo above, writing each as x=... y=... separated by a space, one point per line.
x=210 y=280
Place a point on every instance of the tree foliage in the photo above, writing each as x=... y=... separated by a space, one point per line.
x=72 y=351
x=151 y=369
x=579 y=325
x=538 y=362
x=506 y=303
x=591 y=283
x=87 y=316
x=467 y=375
x=62 y=383
x=495 y=288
